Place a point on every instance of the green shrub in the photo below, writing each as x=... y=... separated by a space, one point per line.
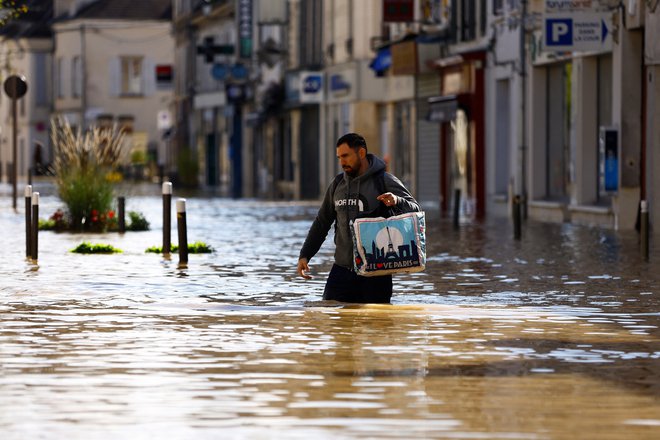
x=84 y=163
x=87 y=194
x=197 y=247
x=89 y=248
x=46 y=225
x=137 y=222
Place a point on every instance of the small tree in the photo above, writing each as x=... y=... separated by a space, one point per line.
x=10 y=9
x=83 y=163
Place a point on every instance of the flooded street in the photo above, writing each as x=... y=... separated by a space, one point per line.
x=552 y=337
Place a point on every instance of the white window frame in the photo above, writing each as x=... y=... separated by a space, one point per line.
x=132 y=75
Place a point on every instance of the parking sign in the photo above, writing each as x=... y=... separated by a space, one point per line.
x=577 y=32
x=559 y=31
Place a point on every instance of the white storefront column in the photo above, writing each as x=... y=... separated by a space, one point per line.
x=585 y=115
x=626 y=114
x=537 y=159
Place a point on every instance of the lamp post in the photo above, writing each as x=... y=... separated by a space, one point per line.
x=15 y=87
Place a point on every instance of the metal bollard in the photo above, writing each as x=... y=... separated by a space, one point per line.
x=182 y=229
x=34 y=240
x=167 y=217
x=121 y=215
x=457 y=207
x=517 y=217
x=28 y=219
x=644 y=229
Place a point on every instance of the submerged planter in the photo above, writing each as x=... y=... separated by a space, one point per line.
x=99 y=223
x=198 y=247
x=90 y=248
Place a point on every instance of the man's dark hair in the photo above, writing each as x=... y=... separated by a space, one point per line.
x=353 y=140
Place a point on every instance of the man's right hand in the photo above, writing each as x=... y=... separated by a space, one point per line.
x=303 y=268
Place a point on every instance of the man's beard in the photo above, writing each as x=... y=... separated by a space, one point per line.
x=350 y=171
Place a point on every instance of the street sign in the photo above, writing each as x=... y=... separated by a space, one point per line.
x=15 y=87
x=577 y=32
x=311 y=87
x=164 y=121
x=209 y=49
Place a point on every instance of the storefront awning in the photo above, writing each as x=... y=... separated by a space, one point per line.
x=442 y=108
x=382 y=62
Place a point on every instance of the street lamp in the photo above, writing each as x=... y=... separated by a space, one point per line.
x=15 y=87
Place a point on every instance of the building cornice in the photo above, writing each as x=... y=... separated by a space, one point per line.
x=76 y=24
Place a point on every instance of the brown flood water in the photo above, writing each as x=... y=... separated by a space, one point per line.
x=553 y=337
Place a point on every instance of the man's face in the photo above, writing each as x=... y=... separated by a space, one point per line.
x=349 y=159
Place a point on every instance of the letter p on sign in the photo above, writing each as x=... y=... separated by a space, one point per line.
x=559 y=32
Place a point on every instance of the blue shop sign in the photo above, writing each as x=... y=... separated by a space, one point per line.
x=312 y=84
x=339 y=84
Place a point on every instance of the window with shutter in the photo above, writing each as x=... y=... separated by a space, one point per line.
x=76 y=77
x=132 y=73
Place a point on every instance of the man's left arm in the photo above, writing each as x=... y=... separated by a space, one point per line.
x=404 y=202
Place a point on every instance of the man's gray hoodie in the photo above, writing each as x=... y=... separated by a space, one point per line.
x=353 y=197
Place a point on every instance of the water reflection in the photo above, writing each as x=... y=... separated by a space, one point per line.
x=555 y=336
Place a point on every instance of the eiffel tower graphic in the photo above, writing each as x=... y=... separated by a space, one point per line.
x=390 y=246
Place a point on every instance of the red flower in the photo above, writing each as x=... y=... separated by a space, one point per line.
x=57 y=215
x=111 y=214
x=94 y=213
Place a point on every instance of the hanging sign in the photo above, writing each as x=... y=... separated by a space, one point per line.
x=244 y=17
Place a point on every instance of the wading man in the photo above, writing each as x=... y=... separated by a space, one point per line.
x=364 y=189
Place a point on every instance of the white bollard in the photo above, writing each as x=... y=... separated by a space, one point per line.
x=182 y=229
x=28 y=219
x=167 y=217
x=34 y=240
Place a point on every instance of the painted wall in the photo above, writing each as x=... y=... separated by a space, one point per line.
x=31 y=59
x=106 y=41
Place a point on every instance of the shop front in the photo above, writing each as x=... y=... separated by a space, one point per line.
x=459 y=111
